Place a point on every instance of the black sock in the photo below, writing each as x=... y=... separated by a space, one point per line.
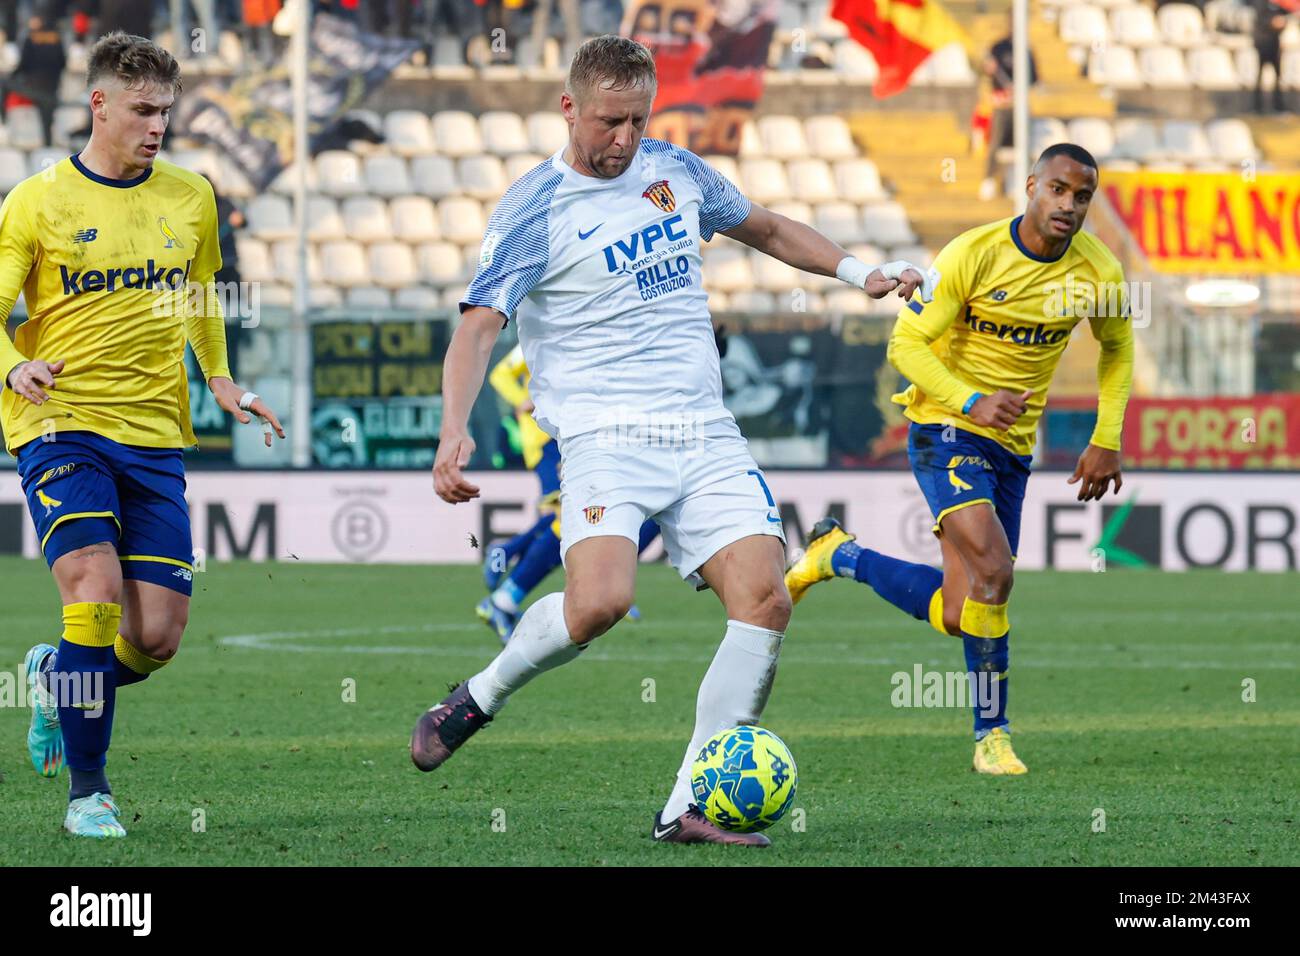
x=86 y=782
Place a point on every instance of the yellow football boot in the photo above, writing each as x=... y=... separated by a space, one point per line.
x=994 y=755
x=815 y=564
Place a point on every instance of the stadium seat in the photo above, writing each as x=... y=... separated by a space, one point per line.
x=483 y=177
x=1290 y=69
x=369 y=298
x=751 y=145
x=886 y=224
x=392 y=265
x=1185 y=141
x=230 y=179
x=858 y=180
x=1231 y=140
x=448 y=52
x=387 y=176
x=1212 y=68
x=270 y=217
x=811 y=181
x=521 y=163
x=773 y=274
x=548 y=133
x=1134 y=25
x=798 y=211
x=917 y=255
x=322 y=297
x=457 y=133
x=949 y=66
x=202 y=161
x=414 y=219
x=1181 y=24
x=726 y=268
x=366 y=219
x=409 y=133
x=839 y=222
x=847 y=301
x=324 y=221
x=829 y=138
x=1084 y=25
x=726 y=167
x=440 y=263
x=1115 y=66
x=1045 y=131
x=1093 y=134
x=345 y=263
x=434 y=176
x=1247 y=63
x=68 y=120
x=284 y=259
x=451 y=297
x=752 y=300
x=416 y=298
x=1136 y=138
x=719 y=302
x=854 y=61
x=462 y=220
x=254 y=259
x=782 y=137
x=275 y=296
x=72 y=88
x=1162 y=68
x=41 y=159
x=25 y=130
x=503 y=133
x=339 y=173
x=764 y=180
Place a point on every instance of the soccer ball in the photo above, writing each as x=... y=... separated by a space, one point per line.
x=744 y=779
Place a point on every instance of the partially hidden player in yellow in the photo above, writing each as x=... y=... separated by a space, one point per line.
x=115 y=254
x=980 y=358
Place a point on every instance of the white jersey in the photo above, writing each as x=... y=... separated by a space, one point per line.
x=606 y=277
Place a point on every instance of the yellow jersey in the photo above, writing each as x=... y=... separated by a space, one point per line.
x=510 y=379
x=1000 y=319
x=117 y=275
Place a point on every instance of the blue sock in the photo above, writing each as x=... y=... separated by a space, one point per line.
x=519 y=542
x=542 y=557
x=903 y=584
x=987 y=659
x=649 y=531
x=85 y=674
x=123 y=675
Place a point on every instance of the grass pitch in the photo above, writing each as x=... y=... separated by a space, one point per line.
x=1126 y=703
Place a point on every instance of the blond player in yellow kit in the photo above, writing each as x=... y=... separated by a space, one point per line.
x=115 y=254
x=980 y=358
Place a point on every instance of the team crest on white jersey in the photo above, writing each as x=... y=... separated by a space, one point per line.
x=661 y=195
x=593 y=513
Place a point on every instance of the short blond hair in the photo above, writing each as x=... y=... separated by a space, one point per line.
x=610 y=61
x=134 y=60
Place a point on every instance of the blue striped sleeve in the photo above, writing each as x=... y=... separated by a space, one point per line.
x=516 y=247
x=723 y=206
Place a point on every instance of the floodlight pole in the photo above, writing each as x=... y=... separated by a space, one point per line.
x=300 y=339
x=1020 y=96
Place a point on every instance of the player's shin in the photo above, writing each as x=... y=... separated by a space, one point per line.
x=904 y=584
x=985 y=633
x=734 y=691
x=132 y=665
x=86 y=688
x=540 y=643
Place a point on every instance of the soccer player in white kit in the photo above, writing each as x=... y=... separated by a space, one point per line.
x=597 y=249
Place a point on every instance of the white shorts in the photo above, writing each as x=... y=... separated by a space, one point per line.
x=705 y=492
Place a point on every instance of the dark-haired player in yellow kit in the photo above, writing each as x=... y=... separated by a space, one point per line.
x=980 y=358
x=115 y=254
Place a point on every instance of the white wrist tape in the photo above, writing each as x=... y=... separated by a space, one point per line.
x=853 y=271
x=247 y=399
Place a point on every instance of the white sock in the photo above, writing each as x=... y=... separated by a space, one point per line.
x=505 y=600
x=540 y=642
x=734 y=691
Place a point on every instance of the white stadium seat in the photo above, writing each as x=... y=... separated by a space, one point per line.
x=521 y=163
x=409 y=133
x=254 y=259
x=1084 y=25
x=1231 y=140
x=324 y=221
x=366 y=219
x=718 y=301
x=462 y=220
x=1162 y=68
x=25 y=130
x=483 y=177
x=1115 y=66
x=1044 y=132
x=387 y=176
x=369 y=298
x=547 y=132
x=847 y=301
x=41 y=159
x=416 y=298
x=270 y=217
x=782 y=137
x=858 y=180
x=752 y=300
x=751 y=145
x=839 y=222
x=414 y=219
x=1134 y=25
x=811 y=181
x=886 y=224
x=321 y=297
x=284 y=259
x=457 y=133
x=829 y=137
x=1212 y=68
x=949 y=66
x=764 y=180
x=1181 y=24
x=440 y=263
x=1290 y=69
x=726 y=268
x=1185 y=141
x=503 y=133
x=68 y=120
x=1136 y=139
x=392 y=265
x=798 y=211
x=345 y=263
x=1247 y=62
x=202 y=161
x=434 y=176
x=726 y=167
x=1093 y=134
x=854 y=61
x=773 y=274
x=339 y=173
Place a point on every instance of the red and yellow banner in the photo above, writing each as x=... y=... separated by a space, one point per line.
x=1257 y=433
x=1227 y=223
x=899 y=34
